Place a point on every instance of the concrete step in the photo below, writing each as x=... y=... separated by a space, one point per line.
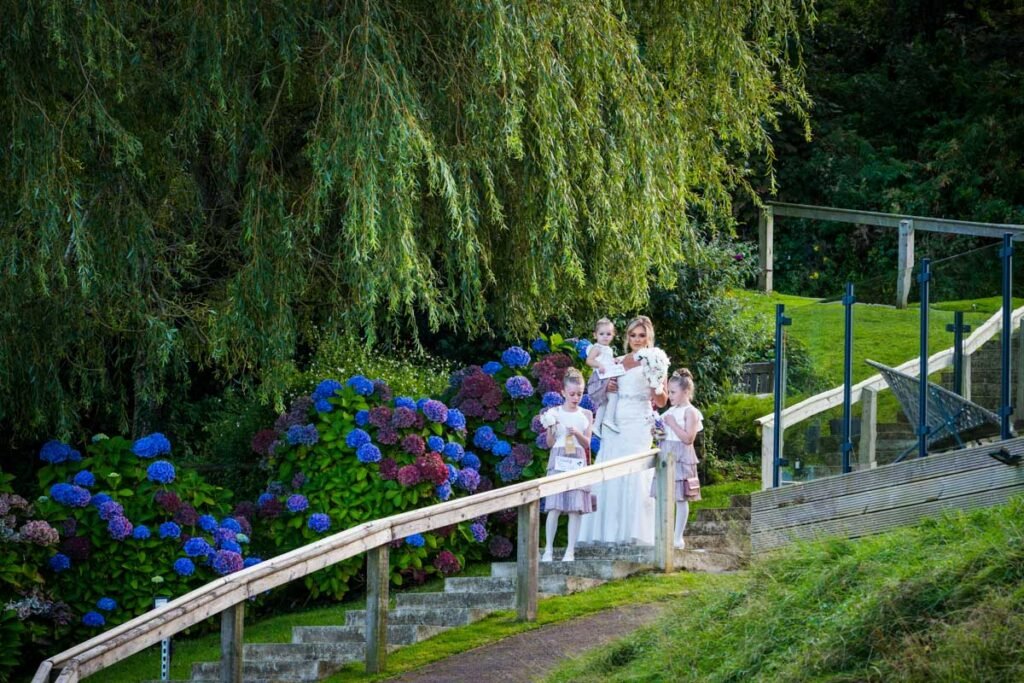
x=426 y=616
x=709 y=561
x=704 y=527
x=484 y=600
x=607 y=570
x=722 y=514
x=339 y=652
x=268 y=670
x=549 y=585
x=398 y=634
x=740 y=500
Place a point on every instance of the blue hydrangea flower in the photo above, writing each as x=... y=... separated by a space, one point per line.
x=59 y=562
x=106 y=604
x=197 y=547
x=453 y=474
x=250 y=561
x=479 y=532
x=469 y=479
x=586 y=402
x=160 y=472
x=541 y=441
x=595 y=444
x=484 y=438
x=583 y=348
x=264 y=499
x=362 y=417
x=405 y=402
x=444 y=491
x=319 y=522
x=151 y=445
x=141 y=532
x=540 y=346
x=515 y=357
x=70 y=495
x=368 y=453
x=416 y=540
x=302 y=435
x=223 y=535
x=119 y=528
x=322 y=405
x=85 y=478
x=453 y=451
x=297 y=502
x=111 y=509
x=356 y=438
x=56 y=452
x=232 y=524
x=326 y=389
x=208 y=523
x=93 y=619
x=361 y=385
x=169 y=530
x=501 y=448
x=552 y=399
x=231 y=546
x=99 y=499
x=492 y=367
x=184 y=567
x=435 y=443
x=518 y=387
x=509 y=470
x=435 y=411
x=470 y=460
x=456 y=420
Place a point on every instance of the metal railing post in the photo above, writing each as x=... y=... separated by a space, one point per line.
x=958 y=328
x=780 y=351
x=1005 y=405
x=924 y=278
x=847 y=445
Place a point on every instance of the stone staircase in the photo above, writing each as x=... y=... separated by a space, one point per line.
x=717 y=540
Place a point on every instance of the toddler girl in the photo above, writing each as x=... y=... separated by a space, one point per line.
x=682 y=422
x=568 y=433
x=601 y=357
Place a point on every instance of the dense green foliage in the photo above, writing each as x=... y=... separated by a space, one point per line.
x=208 y=187
x=918 y=109
x=941 y=601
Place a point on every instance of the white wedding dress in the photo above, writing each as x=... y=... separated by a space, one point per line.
x=625 y=509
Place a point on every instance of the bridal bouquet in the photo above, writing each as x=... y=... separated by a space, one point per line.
x=548 y=419
x=655 y=364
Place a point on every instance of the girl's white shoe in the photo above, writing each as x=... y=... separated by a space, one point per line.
x=569 y=557
x=680 y=545
x=546 y=557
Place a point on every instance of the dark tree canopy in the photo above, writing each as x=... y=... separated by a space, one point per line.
x=209 y=185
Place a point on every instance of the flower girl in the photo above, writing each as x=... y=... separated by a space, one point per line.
x=682 y=422
x=567 y=429
x=601 y=357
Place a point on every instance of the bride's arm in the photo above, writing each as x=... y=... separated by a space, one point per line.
x=660 y=399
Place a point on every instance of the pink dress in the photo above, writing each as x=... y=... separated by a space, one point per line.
x=685 y=454
x=576 y=500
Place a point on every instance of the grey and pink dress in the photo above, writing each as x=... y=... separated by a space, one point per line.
x=685 y=454
x=575 y=500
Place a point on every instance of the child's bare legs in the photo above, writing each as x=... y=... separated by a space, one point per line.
x=609 y=412
x=682 y=512
x=599 y=418
x=575 y=519
x=550 y=529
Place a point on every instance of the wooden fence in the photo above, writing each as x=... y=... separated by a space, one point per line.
x=226 y=596
x=873 y=501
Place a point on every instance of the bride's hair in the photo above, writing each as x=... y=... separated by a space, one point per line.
x=637 y=322
x=572 y=377
x=683 y=378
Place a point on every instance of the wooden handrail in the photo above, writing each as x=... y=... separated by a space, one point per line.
x=212 y=598
x=892 y=220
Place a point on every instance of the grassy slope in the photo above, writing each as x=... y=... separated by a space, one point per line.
x=942 y=601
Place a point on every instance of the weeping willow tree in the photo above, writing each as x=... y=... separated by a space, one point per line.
x=207 y=185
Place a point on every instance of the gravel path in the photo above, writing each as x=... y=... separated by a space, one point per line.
x=531 y=655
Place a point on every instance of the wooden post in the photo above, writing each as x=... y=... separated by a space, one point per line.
x=528 y=561
x=232 y=621
x=378 y=578
x=664 y=526
x=967 y=377
x=767 y=457
x=905 y=266
x=868 y=429
x=766 y=247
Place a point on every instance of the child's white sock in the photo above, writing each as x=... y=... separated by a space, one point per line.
x=550 y=529
x=574 y=532
x=682 y=512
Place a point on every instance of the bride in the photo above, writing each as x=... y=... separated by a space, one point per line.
x=625 y=510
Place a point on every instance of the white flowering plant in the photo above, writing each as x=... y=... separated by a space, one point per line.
x=655 y=364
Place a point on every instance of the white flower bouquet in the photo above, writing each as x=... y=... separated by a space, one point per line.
x=655 y=364
x=548 y=419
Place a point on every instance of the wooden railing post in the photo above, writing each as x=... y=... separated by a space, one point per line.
x=967 y=376
x=378 y=577
x=905 y=264
x=766 y=247
x=528 y=561
x=767 y=457
x=232 y=621
x=664 y=526
x=868 y=429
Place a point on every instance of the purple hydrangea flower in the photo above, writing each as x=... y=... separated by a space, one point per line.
x=541 y=441
x=469 y=479
x=227 y=561
x=518 y=387
x=110 y=509
x=492 y=367
x=297 y=503
x=151 y=446
x=500 y=547
x=515 y=357
x=319 y=522
x=160 y=472
x=435 y=411
x=119 y=528
x=552 y=399
x=184 y=567
x=479 y=532
x=403 y=417
x=356 y=438
x=368 y=453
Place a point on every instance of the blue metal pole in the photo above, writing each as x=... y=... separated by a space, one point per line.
x=958 y=329
x=780 y=321
x=848 y=300
x=924 y=277
x=1005 y=408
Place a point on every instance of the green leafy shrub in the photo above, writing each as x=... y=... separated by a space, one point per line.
x=730 y=424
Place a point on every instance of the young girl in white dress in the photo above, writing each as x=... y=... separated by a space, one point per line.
x=567 y=425
x=601 y=357
x=682 y=422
